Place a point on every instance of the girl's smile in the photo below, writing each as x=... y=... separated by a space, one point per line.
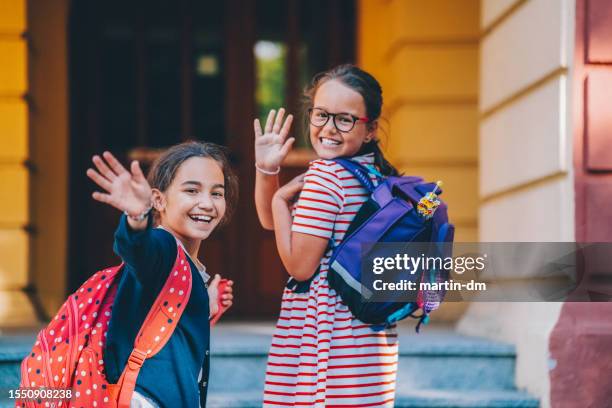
x=201 y=218
x=326 y=141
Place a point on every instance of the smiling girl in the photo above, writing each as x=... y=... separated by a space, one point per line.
x=321 y=355
x=190 y=191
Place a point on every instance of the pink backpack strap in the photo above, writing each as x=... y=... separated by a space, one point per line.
x=157 y=327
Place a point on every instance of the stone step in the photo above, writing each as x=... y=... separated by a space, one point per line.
x=404 y=399
x=437 y=368
x=14 y=345
x=437 y=358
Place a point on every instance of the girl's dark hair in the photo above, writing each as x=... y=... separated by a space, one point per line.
x=369 y=88
x=164 y=169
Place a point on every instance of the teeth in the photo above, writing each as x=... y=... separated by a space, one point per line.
x=329 y=142
x=201 y=218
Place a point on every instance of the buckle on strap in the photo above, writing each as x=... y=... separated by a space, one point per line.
x=136 y=359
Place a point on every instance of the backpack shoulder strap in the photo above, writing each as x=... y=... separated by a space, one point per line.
x=158 y=326
x=358 y=170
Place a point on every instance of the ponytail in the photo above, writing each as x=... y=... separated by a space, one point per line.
x=385 y=168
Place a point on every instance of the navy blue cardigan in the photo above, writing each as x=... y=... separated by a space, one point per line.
x=170 y=378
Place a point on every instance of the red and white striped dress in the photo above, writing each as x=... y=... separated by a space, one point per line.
x=321 y=355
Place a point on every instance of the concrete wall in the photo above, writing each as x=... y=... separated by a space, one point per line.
x=526 y=182
x=15 y=175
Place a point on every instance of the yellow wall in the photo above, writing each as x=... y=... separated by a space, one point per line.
x=15 y=308
x=425 y=54
x=33 y=158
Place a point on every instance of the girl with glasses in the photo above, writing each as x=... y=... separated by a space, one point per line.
x=321 y=355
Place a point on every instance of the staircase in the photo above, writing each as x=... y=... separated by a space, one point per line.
x=437 y=368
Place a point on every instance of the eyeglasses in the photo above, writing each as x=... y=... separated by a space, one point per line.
x=344 y=122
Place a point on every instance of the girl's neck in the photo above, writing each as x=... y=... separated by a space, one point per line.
x=191 y=246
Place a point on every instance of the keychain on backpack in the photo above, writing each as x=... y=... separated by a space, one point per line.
x=428 y=205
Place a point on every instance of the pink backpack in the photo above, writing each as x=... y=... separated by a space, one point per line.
x=68 y=353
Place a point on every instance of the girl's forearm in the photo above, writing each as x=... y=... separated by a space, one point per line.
x=298 y=264
x=265 y=187
x=282 y=231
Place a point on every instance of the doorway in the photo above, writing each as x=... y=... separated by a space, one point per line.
x=147 y=75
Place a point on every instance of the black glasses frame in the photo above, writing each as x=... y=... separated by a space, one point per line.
x=333 y=116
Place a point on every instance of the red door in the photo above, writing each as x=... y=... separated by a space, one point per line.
x=581 y=342
x=593 y=121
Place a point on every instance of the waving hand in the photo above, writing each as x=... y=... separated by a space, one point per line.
x=126 y=190
x=272 y=146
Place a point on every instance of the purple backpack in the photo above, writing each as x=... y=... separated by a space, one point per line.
x=389 y=216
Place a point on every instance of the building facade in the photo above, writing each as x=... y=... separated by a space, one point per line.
x=504 y=100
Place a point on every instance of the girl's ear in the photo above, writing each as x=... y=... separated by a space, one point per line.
x=372 y=128
x=159 y=200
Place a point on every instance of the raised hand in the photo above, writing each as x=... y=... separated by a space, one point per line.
x=272 y=146
x=125 y=190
